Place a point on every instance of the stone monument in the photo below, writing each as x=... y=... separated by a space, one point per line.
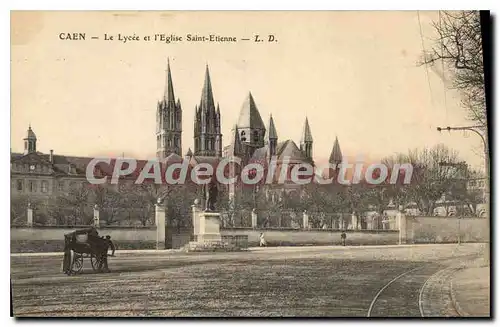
x=206 y=221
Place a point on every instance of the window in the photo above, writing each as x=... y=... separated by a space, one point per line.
x=19 y=184
x=243 y=137
x=256 y=136
x=32 y=185
x=45 y=186
x=61 y=186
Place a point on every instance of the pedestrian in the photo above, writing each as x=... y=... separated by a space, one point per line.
x=262 y=240
x=69 y=255
x=343 y=236
x=109 y=244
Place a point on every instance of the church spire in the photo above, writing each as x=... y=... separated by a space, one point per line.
x=168 y=121
x=306 y=140
x=235 y=148
x=306 y=133
x=169 y=86
x=271 y=138
x=271 y=132
x=207 y=137
x=207 y=97
x=336 y=155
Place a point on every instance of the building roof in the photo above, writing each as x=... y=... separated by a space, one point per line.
x=173 y=158
x=205 y=159
x=288 y=149
x=249 y=115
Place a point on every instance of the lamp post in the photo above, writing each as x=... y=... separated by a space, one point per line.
x=484 y=136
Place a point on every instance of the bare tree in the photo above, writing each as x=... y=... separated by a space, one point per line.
x=459 y=45
x=75 y=205
x=434 y=174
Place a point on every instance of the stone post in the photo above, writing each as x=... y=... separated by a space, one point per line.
x=354 y=221
x=305 y=220
x=196 y=218
x=401 y=221
x=96 y=216
x=160 y=225
x=30 y=215
x=254 y=218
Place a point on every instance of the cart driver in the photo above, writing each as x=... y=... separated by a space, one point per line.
x=109 y=244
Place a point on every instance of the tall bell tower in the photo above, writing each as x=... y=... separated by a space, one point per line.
x=168 y=121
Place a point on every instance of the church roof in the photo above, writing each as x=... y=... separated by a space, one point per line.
x=206 y=159
x=173 y=158
x=249 y=115
x=260 y=154
x=288 y=149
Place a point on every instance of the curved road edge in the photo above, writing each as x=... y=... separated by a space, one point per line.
x=438 y=296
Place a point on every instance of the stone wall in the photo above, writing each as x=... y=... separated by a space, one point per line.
x=446 y=229
x=291 y=237
x=51 y=239
x=48 y=239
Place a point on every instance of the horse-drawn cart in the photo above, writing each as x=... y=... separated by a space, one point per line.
x=85 y=243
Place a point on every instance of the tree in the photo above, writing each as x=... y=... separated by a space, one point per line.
x=73 y=207
x=459 y=45
x=467 y=197
x=110 y=203
x=434 y=173
x=18 y=207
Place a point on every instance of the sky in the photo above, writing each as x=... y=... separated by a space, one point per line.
x=353 y=74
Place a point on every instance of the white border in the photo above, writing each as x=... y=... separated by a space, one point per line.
x=179 y=5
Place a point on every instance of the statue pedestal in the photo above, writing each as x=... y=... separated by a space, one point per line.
x=207 y=236
x=208 y=227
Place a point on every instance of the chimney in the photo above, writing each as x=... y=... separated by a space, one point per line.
x=51 y=157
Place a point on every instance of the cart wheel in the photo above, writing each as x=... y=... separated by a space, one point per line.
x=97 y=262
x=77 y=263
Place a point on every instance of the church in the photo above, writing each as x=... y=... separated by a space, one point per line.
x=251 y=140
x=38 y=174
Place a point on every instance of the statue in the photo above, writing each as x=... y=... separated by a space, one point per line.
x=211 y=193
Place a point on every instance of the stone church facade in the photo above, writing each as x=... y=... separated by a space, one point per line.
x=39 y=174
x=251 y=139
